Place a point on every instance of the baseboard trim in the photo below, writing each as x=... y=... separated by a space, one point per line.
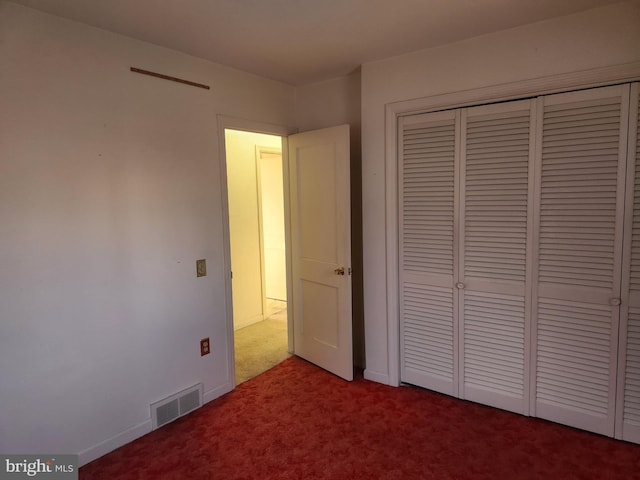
x=247 y=322
x=376 y=377
x=216 y=392
x=137 y=431
x=117 y=441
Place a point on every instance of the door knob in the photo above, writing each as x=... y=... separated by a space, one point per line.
x=339 y=271
x=615 y=302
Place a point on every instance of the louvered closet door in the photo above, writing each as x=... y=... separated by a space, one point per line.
x=427 y=197
x=628 y=405
x=494 y=303
x=581 y=200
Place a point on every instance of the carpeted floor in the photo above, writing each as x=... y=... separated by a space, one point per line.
x=261 y=346
x=299 y=422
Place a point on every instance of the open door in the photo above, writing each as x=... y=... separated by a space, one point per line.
x=321 y=248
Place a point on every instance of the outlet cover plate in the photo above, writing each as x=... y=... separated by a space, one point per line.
x=201 y=268
x=205 y=347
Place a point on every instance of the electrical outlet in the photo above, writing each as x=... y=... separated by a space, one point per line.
x=205 y=347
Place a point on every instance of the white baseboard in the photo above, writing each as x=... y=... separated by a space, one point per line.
x=117 y=441
x=248 y=321
x=376 y=377
x=137 y=431
x=216 y=392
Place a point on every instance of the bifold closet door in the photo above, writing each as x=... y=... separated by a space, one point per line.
x=494 y=303
x=628 y=404
x=427 y=192
x=581 y=175
x=465 y=194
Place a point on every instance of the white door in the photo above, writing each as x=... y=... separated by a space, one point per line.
x=495 y=230
x=428 y=239
x=464 y=230
x=628 y=399
x=581 y=175
x=319 y=184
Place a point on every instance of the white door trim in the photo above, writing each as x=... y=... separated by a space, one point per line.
x=235 y=123
x=495 y=93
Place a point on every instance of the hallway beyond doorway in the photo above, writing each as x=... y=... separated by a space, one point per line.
x=262 y=345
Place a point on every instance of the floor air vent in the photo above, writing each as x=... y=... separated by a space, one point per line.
x=175 y=406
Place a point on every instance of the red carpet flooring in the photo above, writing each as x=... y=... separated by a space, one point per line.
x=298 y=422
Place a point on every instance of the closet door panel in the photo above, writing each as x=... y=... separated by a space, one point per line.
x=630 y=430
x=427 y=240
x=495 y=191
x=581 y=204
x=428 y=337
x=574 y=356
x=494 y=350
x=628 y=406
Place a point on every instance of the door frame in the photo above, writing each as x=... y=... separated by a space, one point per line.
x=235 y=123
x=490 y=94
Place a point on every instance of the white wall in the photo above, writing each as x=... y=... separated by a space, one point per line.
x=109 y=192
x=593 y=39
x=244 y=223
x=330 y=103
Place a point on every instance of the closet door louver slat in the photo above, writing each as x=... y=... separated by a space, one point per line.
x=495 y=200
x=628 y=414
x=579 y=256
x=427 y=184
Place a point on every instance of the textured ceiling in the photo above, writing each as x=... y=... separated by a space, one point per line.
x=305 y=41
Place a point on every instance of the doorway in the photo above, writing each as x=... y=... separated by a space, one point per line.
x=258 y=251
